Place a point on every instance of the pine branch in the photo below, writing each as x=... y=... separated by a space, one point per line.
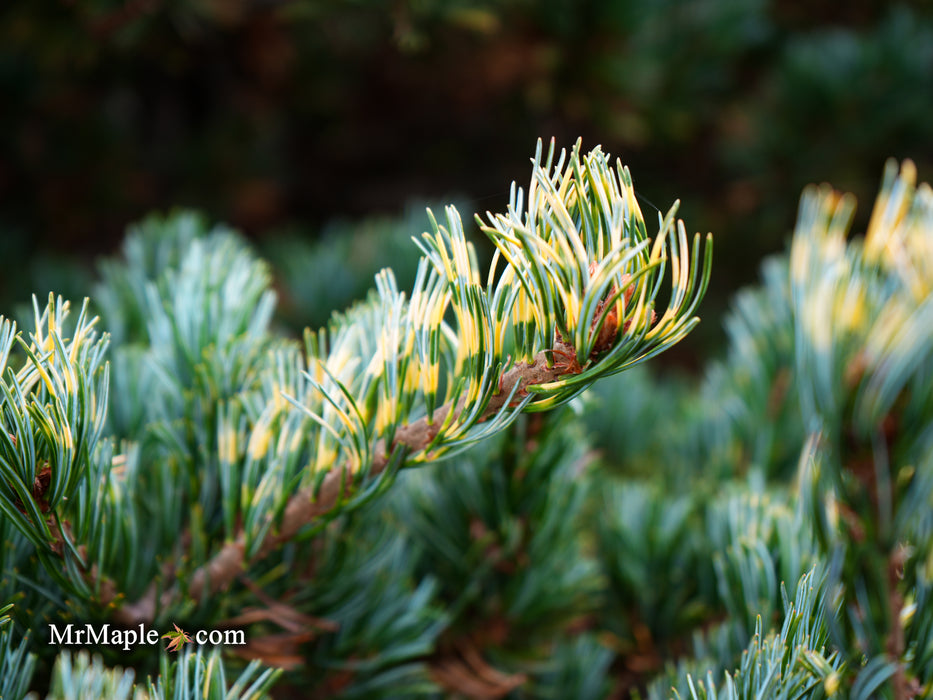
x=576 y=296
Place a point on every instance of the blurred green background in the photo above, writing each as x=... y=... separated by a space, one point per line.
x=330 y=120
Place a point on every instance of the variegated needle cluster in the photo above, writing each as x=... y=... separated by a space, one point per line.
x=570 y=297
x=401 y=380
x=862 y=309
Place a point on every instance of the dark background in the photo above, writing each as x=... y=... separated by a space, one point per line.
x=277 y=116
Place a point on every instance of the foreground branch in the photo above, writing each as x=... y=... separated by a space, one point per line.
x=307 y=505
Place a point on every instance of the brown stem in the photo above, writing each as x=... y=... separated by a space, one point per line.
x=306 y=505
x=895 y=642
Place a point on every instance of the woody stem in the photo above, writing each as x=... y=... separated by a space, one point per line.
x=309 y=503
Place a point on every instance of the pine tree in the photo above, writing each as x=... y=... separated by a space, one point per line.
x=424 y=500
x=193 y=466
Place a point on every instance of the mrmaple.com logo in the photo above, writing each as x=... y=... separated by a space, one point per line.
x=127 y=638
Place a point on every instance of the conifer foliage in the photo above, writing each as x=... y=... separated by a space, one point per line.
x=422 y=500
x=232 y=458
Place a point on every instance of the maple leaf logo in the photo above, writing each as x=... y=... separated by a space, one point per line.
x=177 y=638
